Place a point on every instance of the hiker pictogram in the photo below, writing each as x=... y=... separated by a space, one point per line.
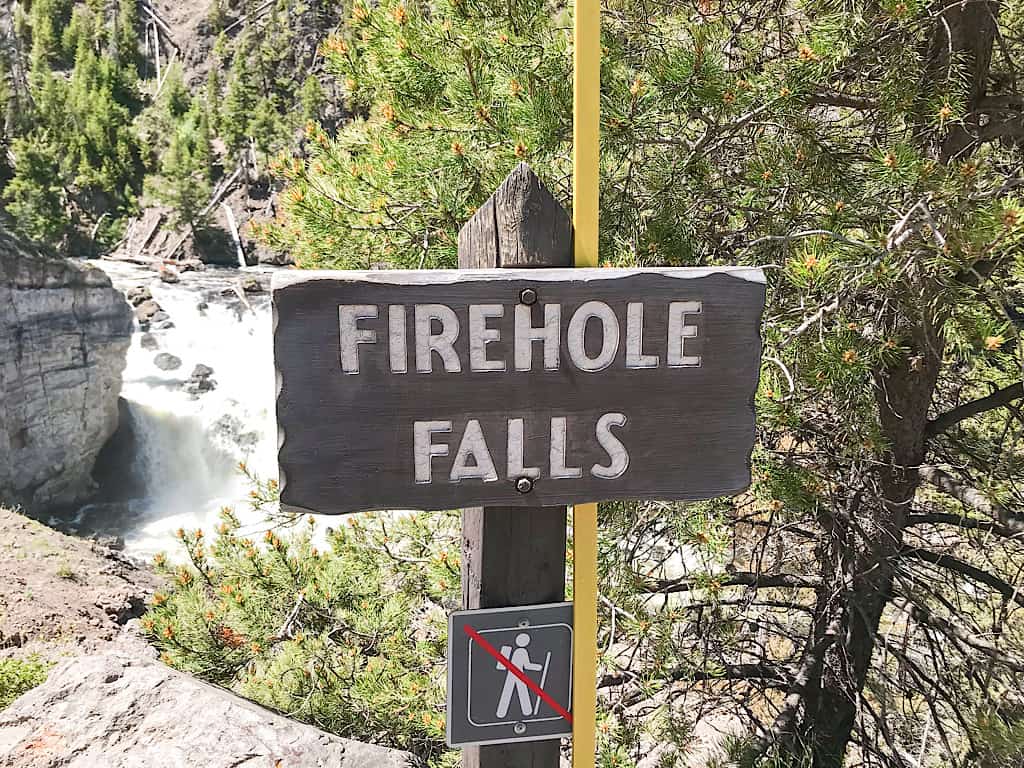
x=520 y=659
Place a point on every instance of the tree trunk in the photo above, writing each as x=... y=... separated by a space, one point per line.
x=859 y=554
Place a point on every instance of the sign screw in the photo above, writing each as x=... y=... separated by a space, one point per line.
x=519 y=728
x=527 y=296
x=524 y=485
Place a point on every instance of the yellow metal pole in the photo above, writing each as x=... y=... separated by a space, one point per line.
x=586 y=115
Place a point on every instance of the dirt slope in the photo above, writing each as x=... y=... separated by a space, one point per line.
x=61 y=596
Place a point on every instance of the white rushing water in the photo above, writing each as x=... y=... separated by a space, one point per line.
x=188 y=446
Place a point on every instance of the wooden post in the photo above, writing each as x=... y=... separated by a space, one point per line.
x=515 y=555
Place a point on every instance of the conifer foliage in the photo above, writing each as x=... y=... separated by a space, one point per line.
x=348 y=633
x=93 y=129
x=863 y=602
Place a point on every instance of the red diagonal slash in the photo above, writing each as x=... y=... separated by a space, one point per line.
x=517 y=672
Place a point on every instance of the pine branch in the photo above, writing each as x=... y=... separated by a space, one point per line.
x=970 y=497
x=1012 y=128
x=950 y=563
x=738 y=579
x=998 y=399
x=769 y=674
x=810 y=668
x=928 y=618
x=960 y=521
x=828 y=98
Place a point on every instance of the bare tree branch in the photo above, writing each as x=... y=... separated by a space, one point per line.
x=997 y=399
x=768 y=674
x=928 y=618
x=970 y=497
x=950 y=563
x=970 y=523
x=828 y=98
x=738 y=579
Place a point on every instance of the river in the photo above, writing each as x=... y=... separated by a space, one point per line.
x=187 y=447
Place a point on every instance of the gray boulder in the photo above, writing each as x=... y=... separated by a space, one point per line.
x=117 y=711
x=146 y=310
x=252 y=284
x=64 y=334
x=165 y=361
x=200 y=381
x=138 y=294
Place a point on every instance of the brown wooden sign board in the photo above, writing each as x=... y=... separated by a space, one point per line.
x=444 y=389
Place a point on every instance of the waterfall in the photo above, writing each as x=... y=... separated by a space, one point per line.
x=188 y=444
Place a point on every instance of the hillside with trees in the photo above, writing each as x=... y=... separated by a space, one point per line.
x=112 y=107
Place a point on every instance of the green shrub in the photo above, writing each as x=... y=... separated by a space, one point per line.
x=20 y=675
x=349 y=636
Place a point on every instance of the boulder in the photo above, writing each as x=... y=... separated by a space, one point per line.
x=252 y=284
x=200 y=381
x=266 y=255
x=149 y=342
x=145 y=311
x=118 y=711
x=64 y=336
x=191 y=265
x=169 y=275
x=138 y=294
x=165 y=361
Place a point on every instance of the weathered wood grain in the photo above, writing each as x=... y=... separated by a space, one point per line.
x=515 y=556
x=348 y=439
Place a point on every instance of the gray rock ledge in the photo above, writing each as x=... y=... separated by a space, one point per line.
x=118 y=711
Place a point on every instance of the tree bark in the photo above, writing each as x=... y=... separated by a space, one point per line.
x=860 y=550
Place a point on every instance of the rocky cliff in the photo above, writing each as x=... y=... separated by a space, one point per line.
x=64 y=333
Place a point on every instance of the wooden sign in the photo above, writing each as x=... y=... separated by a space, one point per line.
x=444 y=389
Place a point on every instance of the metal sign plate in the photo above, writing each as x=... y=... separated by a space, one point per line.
x=509 y=675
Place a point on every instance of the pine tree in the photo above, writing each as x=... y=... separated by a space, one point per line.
x=239 y=101
x=183 y=181
x=216 y=16
x=311 y=98
x=212 y=98
x=35 y=198
x=47 y=19
x=362 y=632
x=868 y=156
x=125 y=38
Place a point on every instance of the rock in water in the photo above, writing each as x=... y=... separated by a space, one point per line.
x=146 y=310
x=138 y=294
x=165 y=361
x=149 y=342
x=116 y=711
x=252 y=284
x=200 y=381
x=169 y=274
x=64 y=334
